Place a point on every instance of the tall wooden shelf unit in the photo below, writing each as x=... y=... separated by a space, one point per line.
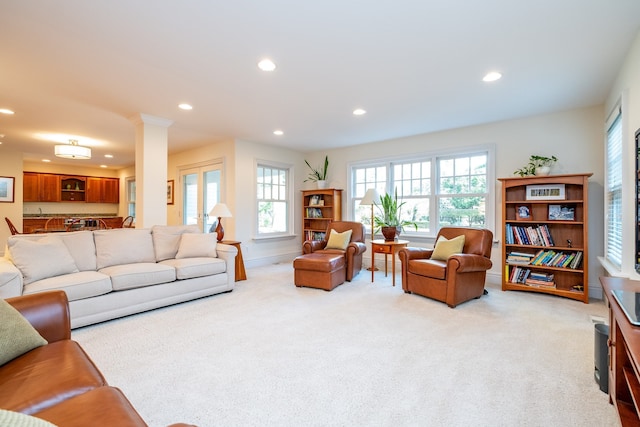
x=319 y=208
x=530 y=214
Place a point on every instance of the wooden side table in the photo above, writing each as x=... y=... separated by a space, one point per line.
x=386 y=247
x=241 y=274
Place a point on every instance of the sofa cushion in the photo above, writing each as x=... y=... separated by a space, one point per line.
x=16 y=334
x=82 y=248
x=47 y=375
x=445 y=248
x=123 y=246
x=128 y=276
x=339 y=240
x=46 y=257
x=198 y=245
x=188 y=268
x=435 y=269
x=81 y=285
x=166 y=239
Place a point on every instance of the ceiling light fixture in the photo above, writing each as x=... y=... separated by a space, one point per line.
x=6 y=111
x=278 y=132
x=73 y=151
x=266 y=65
x=359 y=112
x=185 y=107
x=109 y=156
x=492 y=76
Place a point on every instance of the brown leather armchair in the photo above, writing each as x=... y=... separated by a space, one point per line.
x=456 y=280
x=353 y=253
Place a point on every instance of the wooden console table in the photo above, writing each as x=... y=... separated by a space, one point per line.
x=386 y=247
x=624 y=354
x=241 y=274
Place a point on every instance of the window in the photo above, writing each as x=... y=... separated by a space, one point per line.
x=613 y=192
x=437 y=190
x=131 y=196
x=273 y=200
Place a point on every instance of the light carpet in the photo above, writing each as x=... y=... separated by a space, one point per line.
x=364 y=354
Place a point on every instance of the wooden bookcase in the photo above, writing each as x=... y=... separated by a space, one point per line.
x=549 y=220
x=319 y=208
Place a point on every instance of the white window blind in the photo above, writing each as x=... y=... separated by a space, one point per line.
x=614 y=192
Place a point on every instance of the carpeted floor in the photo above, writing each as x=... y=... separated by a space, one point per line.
x=271 y=354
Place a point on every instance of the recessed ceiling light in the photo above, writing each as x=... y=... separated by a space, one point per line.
x=109 y=156
x=492 y=76
x=278 y=132
x=266 y=65
x=185 y=107
x=103 y=166
x=6 y=111
x=359 y=112
x=46 y=160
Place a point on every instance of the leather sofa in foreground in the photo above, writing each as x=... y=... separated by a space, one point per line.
x=57 y=381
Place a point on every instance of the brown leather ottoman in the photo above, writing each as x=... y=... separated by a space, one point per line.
x=322 y=271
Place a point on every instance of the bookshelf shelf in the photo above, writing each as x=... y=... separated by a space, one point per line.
x=319 y=208
x=544 y=245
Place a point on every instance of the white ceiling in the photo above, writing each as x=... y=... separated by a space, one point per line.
x=84 y=68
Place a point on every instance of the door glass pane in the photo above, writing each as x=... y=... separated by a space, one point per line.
x=190 y=198
x=211 y=195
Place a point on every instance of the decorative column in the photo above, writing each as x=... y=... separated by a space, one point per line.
x=151 y=135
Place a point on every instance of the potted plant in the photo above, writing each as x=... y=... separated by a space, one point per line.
x=389 y=220
x=538 y=165
x=319 y=175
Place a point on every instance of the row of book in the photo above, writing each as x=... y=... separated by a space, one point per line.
x=538 y=235
x=548 y=258
x=526 y=276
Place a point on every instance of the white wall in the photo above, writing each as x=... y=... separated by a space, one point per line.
x=575 y=137
x=627 y=87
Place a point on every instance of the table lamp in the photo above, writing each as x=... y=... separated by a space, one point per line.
x=220 y=210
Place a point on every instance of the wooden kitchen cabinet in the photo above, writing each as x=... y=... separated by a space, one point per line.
x=103 y=190
x=30 y=187
x=49 y=187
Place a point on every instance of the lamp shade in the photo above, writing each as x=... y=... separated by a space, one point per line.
x=72 y=151
x=220 y=210
x=370 y=197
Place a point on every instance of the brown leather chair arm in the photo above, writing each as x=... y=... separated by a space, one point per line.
x=409 y=253
x=48 y=313
x=467 y=263
x=310 y=246
x=356 y=248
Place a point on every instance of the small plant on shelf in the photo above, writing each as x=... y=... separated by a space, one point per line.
x=538 y=165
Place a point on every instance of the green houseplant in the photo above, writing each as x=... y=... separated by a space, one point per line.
x=538 y=165
x=389 y=220
x=319 y=174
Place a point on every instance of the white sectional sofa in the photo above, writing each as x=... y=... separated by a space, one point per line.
x=113 y=273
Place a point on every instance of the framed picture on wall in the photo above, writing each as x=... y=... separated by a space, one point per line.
x=170 y=192
x=7 y=189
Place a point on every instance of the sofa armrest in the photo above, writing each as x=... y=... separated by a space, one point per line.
x=467 y=263
x=10 y=279
x=356 y=248
x=409 y=253
x=48 y=313
x=228 y=253
x=310 y=246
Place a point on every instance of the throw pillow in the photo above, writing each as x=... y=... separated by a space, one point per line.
x=123 y=246
x=445 y=248
x=16 y=334
x=41 y=259
x=17 y=419
x=197 y=245
x=339 y=240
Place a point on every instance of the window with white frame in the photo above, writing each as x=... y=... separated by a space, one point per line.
x=437 y=189
x=613 y=191
x=273 y=199
x=131 y=196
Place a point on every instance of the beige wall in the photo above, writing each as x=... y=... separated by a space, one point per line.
x=11 y=166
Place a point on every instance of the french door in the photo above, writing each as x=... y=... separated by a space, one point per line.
x=200 y=192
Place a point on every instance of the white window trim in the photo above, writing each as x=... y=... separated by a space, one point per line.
x=491 y=179
x=290 y=233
